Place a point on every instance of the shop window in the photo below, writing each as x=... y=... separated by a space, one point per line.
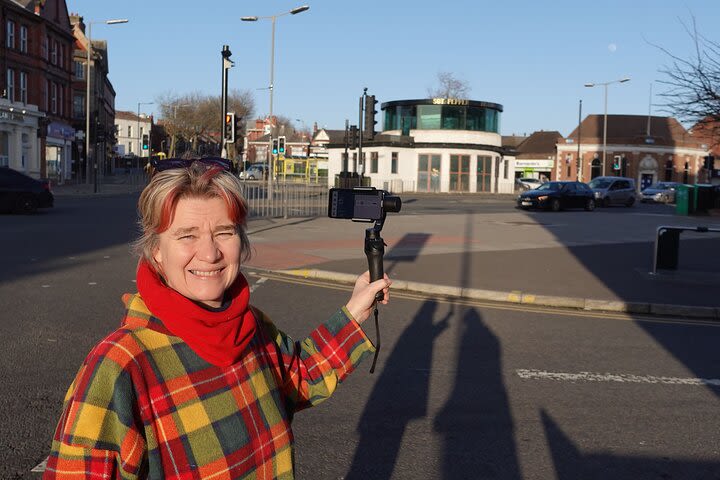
x=428 y=172
x=460 y=173
x=10 y=34
x=484 y=170
x=394 y=163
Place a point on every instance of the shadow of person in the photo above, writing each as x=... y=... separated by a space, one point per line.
x=475 y=423
x=400 y=396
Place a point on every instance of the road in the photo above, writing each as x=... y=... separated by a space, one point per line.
x=462 y=390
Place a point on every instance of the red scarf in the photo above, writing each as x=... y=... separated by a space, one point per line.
x=218 y=337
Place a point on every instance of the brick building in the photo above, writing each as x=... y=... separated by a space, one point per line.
x=35 y=116
x=648 y=149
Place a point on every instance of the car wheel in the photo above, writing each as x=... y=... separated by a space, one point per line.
x=555 y=205
x=630 y=202
x=606 y=202
x=26 y=204
x=590 y=205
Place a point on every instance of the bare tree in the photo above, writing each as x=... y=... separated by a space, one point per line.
x=693 y=93
x=449 y=86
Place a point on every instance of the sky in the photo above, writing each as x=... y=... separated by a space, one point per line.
x=532 y=57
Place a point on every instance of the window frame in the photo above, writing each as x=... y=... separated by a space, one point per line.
x=23 y=86
x=10 y=83
x=10 y=34
x=24 y=38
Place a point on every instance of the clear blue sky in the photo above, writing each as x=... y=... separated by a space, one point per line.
x=532 y=57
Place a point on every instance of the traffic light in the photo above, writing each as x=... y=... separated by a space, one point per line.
x=353 y=137
x=370 y=122
x=239 y=128
x=281 y=145
x=275 y=146
x=229 y=129
x=145 y=142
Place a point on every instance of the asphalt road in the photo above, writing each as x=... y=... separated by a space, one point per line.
x=461 y=390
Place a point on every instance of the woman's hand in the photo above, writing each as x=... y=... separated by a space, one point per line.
x=363 y=297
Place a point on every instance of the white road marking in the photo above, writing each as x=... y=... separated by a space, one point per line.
x=530 y=374
x=92 y=283
x=106 y=256
x=46 y=286
x=260 y=281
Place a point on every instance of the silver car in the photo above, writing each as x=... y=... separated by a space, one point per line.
x=660 y=192
x=614 y=191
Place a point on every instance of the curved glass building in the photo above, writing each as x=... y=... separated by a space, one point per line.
x=442 y=114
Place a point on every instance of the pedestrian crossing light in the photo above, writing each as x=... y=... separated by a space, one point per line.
x=145 y=142
x=281 y=145
x=229 y=128
x=275 y=146
x=616 y=162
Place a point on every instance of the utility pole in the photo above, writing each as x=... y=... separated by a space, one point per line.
x=579 y=155
x=360 y=134
x=226 y=65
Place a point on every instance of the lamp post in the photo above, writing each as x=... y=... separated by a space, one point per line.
x=138 y=130
x=87 y=97
x=605 y=84
x=271 y=87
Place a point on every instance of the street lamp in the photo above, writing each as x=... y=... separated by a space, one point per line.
x=605 y=84
x=271 y=87
x=87 y=96
x=138 y=129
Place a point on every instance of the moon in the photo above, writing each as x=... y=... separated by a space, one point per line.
x=612 y=47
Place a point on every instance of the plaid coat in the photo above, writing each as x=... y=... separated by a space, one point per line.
x=144 y=405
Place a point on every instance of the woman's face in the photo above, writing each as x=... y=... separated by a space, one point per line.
x=199 y=255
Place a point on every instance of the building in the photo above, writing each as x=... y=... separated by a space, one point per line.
x=131 y=131
x=102 y=103
x=648 y=149
x=35 y=115
x=536 y=156
x=431 y=145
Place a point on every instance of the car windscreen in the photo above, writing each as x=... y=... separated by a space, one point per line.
x=599 y=183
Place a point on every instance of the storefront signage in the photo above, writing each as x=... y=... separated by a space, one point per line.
x=61 y=130
x=534 y=163
x=450 y=101
x=12 y=116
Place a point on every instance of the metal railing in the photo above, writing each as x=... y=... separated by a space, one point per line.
x=288 y=200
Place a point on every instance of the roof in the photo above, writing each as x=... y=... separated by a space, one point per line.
x=539 y=144
x=124 y=115
x=513 y=141
x=632 y=129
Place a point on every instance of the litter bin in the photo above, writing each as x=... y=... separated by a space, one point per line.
x=685 y=199
x=704 y=197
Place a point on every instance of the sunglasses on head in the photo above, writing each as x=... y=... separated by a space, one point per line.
x=170 y=163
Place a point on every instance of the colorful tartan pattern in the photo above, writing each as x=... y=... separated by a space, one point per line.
x=144 y=405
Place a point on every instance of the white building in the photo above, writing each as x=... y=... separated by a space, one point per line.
x=131 y=129
x=431 y=145
x=19 y=142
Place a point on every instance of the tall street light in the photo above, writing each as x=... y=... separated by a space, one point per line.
x=138 y=130
x=294 y=11
x=605 y=84
x=87 y=95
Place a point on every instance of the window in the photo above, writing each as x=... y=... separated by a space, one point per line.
x=61 y=100
x=129 y=131
x=686 y=173
x=130 y=147
x=394 y=163
x=53 y=97
x=428 y=172
x=23 y=39
x=79 y=70
x=460 y=173
x=46 y=96
x=569 y=171
x=11 y=84
x=54 y=53
x=506 y=168
x=23 y=87
x=10 y=34
x=373 y=162
x=46 y=47
x=141 y=131
x=79 y=106
x=669 y=171
x=484 y=170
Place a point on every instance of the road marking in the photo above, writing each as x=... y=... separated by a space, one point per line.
x=46 y=286
x=92 y=283
x=613 y=377
x=260 y=281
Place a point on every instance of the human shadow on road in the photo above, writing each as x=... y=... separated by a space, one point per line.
x=475 y=424
x=400 y=396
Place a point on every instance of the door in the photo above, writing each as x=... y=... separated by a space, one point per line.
x=646 y=179
x=459 y=173
x=484 y=170
x=428 y=179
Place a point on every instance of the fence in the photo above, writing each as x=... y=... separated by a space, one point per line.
x=287 y=200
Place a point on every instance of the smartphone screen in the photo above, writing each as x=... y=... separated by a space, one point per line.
x=355 y=204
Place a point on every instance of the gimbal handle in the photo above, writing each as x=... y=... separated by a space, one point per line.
x=375 y=250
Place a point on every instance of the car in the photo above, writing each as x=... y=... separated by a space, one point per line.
x=660 y=192
x=21 y=193
x=556 y=196
x=614 y=191
x=527 y=183
x=256 y=171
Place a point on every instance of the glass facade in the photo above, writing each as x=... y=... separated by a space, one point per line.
x=425 y=115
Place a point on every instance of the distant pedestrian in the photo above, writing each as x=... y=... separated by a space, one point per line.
x=197 y=382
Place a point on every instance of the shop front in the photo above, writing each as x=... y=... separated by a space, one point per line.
x=540 y=169
x=58 y=151
x=19 y=144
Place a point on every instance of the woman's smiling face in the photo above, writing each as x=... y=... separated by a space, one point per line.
x=199 y=254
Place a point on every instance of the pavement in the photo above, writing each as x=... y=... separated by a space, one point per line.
x=541 y=260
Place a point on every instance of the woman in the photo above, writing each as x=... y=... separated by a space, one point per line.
x=197 y=383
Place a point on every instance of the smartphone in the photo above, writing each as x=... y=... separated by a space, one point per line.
x=358 y=204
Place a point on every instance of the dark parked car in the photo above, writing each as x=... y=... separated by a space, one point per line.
x=661 y=192
x=558 y=195
x=23 y=194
